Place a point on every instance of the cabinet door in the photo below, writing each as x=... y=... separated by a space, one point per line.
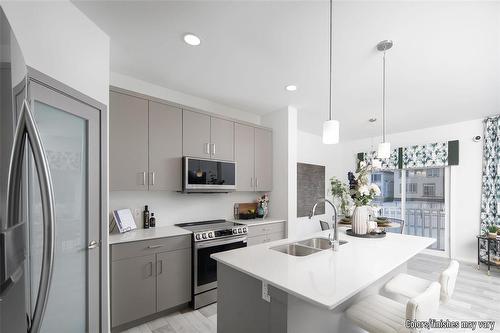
x=128 y=142
x=165 y=147
x=174 y=278
x=133 y=289
x=222 y=139
x=244 y=155
x=195 y=134
x=263 y=159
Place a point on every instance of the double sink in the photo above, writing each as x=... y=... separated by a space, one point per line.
x=305 y=247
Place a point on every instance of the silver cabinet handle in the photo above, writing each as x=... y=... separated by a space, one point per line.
x=213 y=148
x=154 y=246
x=160 y=270
x=256 y=182
x=152 y=178
x=150 y=264
x=251 y=181
x=207 y=148
x=93 y=244
x=143 y=178
x=26 y=129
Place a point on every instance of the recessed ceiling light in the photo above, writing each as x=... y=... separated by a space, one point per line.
x=372 y=120
x=291 y=87
x=192 y=39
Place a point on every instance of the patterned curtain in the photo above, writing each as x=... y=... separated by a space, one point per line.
x=490 y=193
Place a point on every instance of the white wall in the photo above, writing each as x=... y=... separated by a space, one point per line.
x=150 y=89
x=61 y=42
x=283 y=198
x=465 y=179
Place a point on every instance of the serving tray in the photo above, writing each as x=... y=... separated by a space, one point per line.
x=371 y=235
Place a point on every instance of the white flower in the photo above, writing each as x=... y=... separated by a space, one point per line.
x=364 y=190
x=375 y=189
x=362 y=164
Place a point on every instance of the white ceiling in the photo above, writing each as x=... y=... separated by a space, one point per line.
x=444 y=67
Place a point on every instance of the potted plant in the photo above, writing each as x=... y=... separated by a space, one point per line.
x=362 y=193
x=492 y=231
x=340 y=193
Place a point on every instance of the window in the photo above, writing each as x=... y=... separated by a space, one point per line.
x=389 y=201
x=376 y=177
x=429 y=190
x=433 y=172
x=411 y=188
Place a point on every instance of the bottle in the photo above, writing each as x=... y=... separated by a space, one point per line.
x=152 y=221
x=146 y=217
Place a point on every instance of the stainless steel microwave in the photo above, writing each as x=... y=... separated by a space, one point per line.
x=205 y=175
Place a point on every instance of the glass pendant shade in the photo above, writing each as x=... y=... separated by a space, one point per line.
x=331 y=130
x=384 y=150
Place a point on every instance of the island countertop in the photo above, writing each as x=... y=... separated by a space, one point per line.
x=326 y=278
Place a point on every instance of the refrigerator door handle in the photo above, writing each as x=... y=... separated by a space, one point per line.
x=27 y=129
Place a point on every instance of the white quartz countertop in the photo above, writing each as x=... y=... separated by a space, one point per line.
x=326 y=278
x=258 y=221
x=144 y=234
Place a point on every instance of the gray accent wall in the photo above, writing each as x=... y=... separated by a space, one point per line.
x=310 y=187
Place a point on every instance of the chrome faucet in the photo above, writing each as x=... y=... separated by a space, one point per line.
x=334 y=239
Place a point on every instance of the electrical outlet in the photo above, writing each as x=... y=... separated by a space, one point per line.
x=137 y=212
x=265 y=292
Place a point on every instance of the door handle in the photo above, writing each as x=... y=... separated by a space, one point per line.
x=26 y=130
x=93 y=244
x=154 y=246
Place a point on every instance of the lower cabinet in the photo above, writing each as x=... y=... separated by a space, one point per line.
x=149 y=277
x=258 y=234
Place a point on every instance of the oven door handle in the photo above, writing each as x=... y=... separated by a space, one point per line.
x=201 y=245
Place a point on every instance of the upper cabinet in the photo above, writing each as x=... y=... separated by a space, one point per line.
x=128 y=142
x=204 y=136
x=263 y=159
x=253 y=156
x=195 y=134
x=147 y=140
x=165 y=147
x=145 y=144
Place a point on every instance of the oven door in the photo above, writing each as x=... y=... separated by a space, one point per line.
x=205 y=268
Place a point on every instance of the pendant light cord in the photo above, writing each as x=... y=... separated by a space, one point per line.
x=383 y=98
x=331 y=36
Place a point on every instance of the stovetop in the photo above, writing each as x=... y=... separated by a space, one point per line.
x=213 y=229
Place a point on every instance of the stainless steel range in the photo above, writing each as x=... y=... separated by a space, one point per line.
x=211 y=237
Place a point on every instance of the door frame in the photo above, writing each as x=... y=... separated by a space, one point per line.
x=59 y=87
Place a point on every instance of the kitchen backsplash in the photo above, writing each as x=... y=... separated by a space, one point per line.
x=172 y=207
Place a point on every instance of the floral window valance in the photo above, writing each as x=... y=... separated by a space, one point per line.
x=437 y=154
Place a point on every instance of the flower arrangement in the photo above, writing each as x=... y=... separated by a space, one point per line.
x=361 y=191
x=262 y=203
x=340 y=190
x=492 y=230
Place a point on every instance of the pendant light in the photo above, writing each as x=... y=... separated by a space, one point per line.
x=384 y=148
x=331 y=127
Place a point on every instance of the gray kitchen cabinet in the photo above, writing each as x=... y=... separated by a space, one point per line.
x=195 y=134
x=173 y=278
x=263 y=160
x=128 y=142
x=221 y=139
x=244 y=155
x=265 y=233
x=132 y=289
x=148 y=277
x=165 y=147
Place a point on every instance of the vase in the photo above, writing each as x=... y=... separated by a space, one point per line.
x=360 y=220
x=260 y=211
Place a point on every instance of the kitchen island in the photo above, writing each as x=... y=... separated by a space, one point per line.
x=264 y=290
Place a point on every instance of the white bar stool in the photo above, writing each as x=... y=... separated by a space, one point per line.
x=405 y=286
x=379 y=314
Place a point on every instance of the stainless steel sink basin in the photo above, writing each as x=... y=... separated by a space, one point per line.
x=295 y=249
x=319 y=243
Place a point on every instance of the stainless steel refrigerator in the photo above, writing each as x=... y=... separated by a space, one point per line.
x=52 y=197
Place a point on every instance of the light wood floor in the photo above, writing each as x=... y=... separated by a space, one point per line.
x=476 y=297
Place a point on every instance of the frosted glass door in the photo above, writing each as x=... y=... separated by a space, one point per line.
x=70 y=135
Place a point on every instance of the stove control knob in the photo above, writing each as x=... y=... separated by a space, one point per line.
x=239 y=230
x=235 y=231
x=197 y=236
x=244 y=229
x=204 y=235
x=210 y=235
